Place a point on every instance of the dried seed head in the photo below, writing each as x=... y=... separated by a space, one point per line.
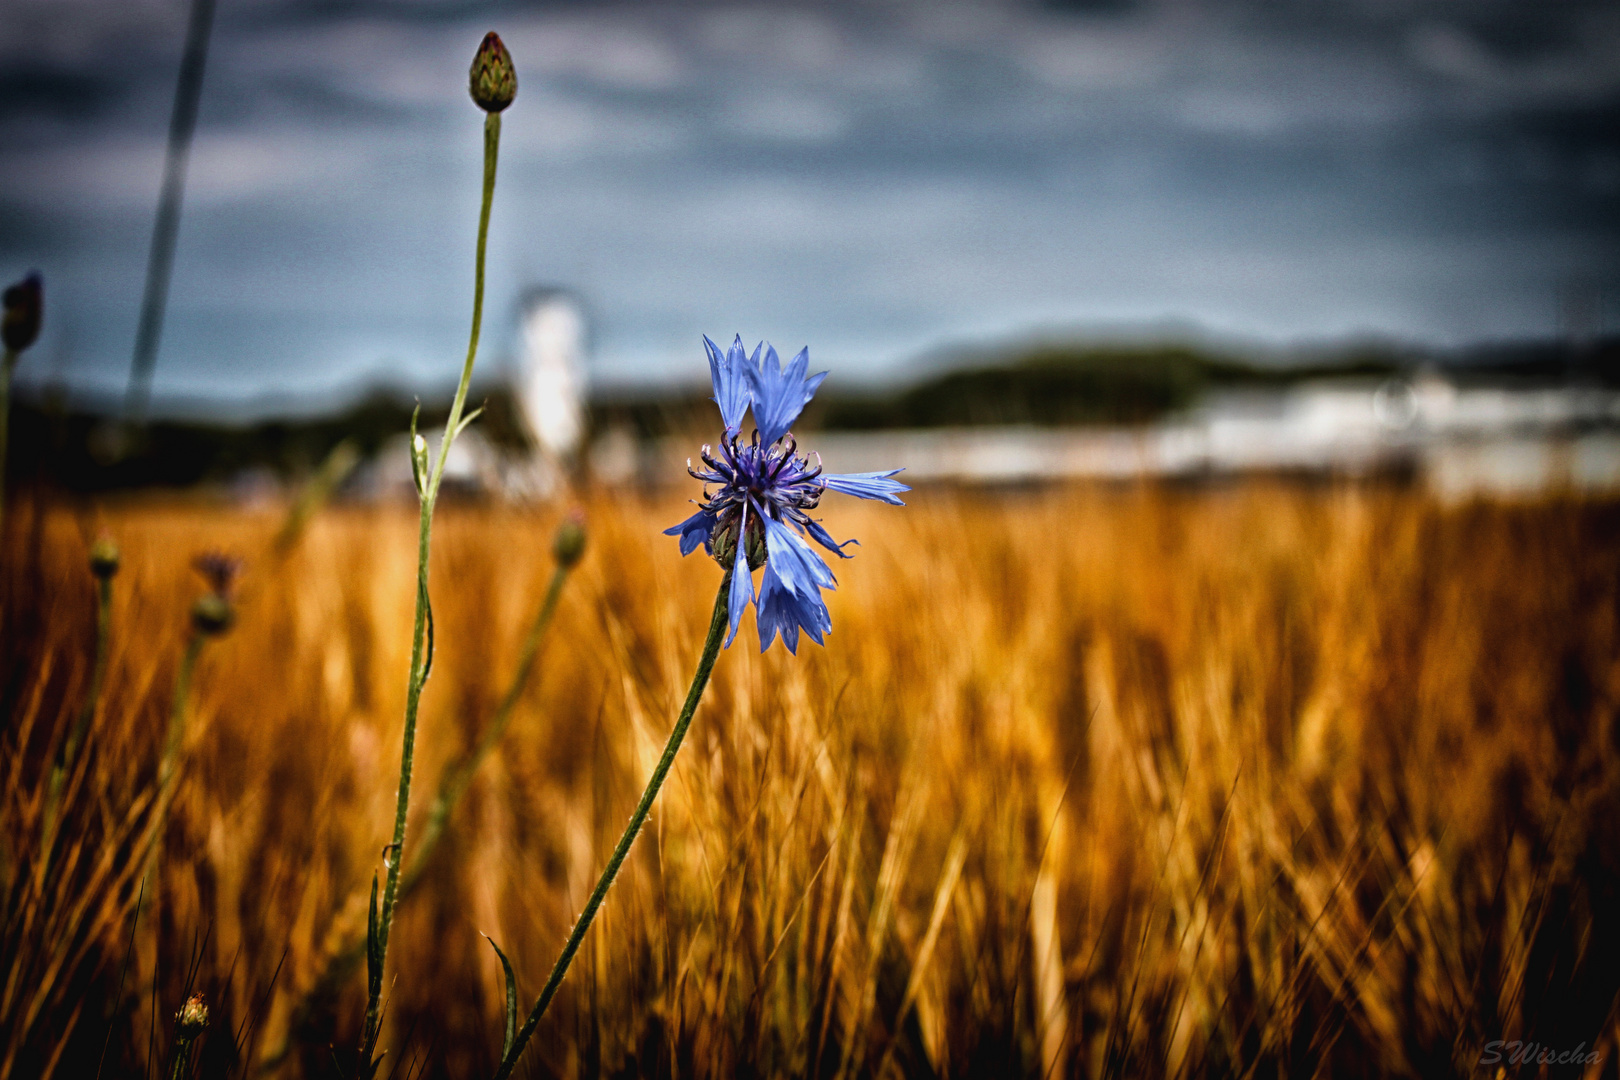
x=104 y=558
x=213 y=615
x=493 y=80
x=192 y=1018
x=24 y=303
x=569 y=546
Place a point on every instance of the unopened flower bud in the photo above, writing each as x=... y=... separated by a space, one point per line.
x=192 y=1019
x=725 y=542
x=104 y=558
x=212 y=615
x=23 y=302
x=493 y=80
x=419 y=464
x=569 y=546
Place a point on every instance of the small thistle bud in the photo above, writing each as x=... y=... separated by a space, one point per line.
x=493 y=81
x=104 y=558
x=24 y=303
x=212 y=615
x=219 y=570
x=192 y=1019
x=569 y=546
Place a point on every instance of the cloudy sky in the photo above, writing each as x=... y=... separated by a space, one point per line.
x=872 y=179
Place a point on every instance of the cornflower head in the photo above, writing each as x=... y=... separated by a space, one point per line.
x=213 y=613
x=192 y=1019
x=23 y=305
x=759 y=491
x=189 y=1024
x=218 y=570
x=755 y=518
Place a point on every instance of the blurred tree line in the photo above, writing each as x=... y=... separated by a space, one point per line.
x=1049 y=384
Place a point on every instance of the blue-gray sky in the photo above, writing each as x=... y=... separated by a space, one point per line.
x=871 y=179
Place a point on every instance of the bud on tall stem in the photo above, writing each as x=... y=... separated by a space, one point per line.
x=493 y=80
x=24 y=305
x=189 y=1024
x=104 y=561
x=493 y=84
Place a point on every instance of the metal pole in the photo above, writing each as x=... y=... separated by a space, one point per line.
x=160 y=260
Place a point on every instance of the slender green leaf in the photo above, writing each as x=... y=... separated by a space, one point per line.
x=418 y=473
x=373 y=944
x=427 y=606
x=511 y=997
x=469 y=418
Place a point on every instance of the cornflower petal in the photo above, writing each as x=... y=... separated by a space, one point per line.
x=694 y=530
x=780 y=395
x=728 y=373
x=742 y=588
x=866 y=485
x=797 y=565
x=821 y=536
x=780 y=610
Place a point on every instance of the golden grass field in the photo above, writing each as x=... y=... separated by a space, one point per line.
x=1256 y=780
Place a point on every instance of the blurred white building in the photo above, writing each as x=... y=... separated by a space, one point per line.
x=550 y=377
x=1461 y=441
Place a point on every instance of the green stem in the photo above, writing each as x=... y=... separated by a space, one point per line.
x=6 y=364
x=420 y=633
x=452 y=786
x=171 y=754
x=339 y=463
x=70 y=750
x=97 y=673
x=700 y=680
x=182 y=1060
x=177 y=716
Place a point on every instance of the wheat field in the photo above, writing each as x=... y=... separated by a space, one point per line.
x=1253 y=780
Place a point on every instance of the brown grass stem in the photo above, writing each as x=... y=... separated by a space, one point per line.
x=1420 y=697
x=63 y=767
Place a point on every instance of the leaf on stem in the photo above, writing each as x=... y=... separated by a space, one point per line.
x=427 y=606
x=373 y=944
x=511 y=998
x=469 y=418
x=419 y=470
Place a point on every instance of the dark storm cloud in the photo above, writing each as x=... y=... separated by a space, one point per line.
x=870 y=178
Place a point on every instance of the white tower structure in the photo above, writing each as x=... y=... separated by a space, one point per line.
x=551 y=371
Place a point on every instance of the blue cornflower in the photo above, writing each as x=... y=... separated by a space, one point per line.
x=765 y=486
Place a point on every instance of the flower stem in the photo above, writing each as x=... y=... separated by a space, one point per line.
x=700 y=680
x=171 y=754
x=182 y=1060
x=421 y=640
x=452 y=786
x=177 y=716
x=339 y=463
